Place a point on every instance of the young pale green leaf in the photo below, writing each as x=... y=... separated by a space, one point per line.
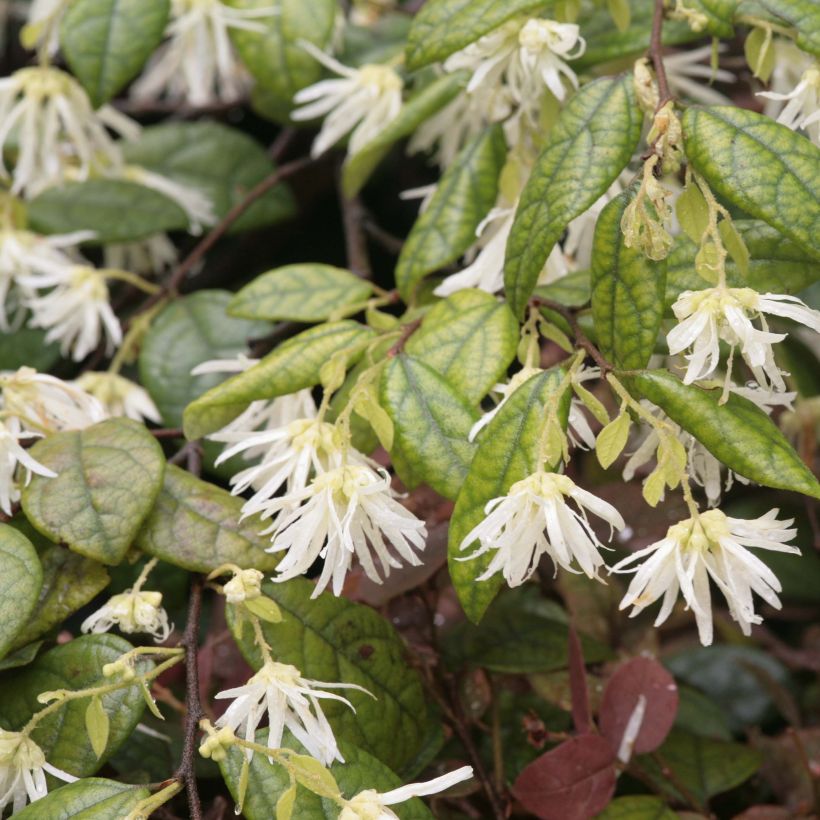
x=628 y=291
x=108 y=477
x=612 y=440
x=189 y=331
x=639 y=807
x=311 y=774
x=759 y=50
x=106 y=42
x=776 y=264
x=20 y=582
x=92 y=798
x=274 y=57
x=737 y=433
x=735 y=245
x=470 y=339
x=758 y=165
x=421 y=106
x=620 y=12
x=507 y=452
x=692 y=212
x=285 y=804
x=804 y=16
x=308 y=292
x=431 y=422
x=269 y=783
x=332 y=639
x=221 y=162
x=114 y=209
x=291 y=366
x=463 y=197
x=590 y=144
x=97 y=726
x=196 y=525
x=62 y=735
x=443 y=27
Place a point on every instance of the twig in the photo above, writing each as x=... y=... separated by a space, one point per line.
x=190 y=641
x=353 y=217
x=656 y=54
x=406 y=332
x=279 y=147
x=167 y=432
x=580 y=337
x=392 y=244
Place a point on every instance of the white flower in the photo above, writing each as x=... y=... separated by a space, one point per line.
x=291 y=702
x=790 y=64
x=148 y=256
x=131 y=611
x=711 y=545
x=707 y=316
x=803 y=107
x=13 y=454
x=119 y=396
x=372 y=805
x=364 y=101
x=47 y=403
x=683 y=70
x=346 y=511
x=197 y=64
x=533 y=520
x=76 y=312
x=55 y=127
x=23 y=770
x=245 y=585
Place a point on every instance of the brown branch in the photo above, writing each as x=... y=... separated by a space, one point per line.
x=656 y=54
x=353 y=216
x=390 y=243
x=406 y=332
x=167 y=432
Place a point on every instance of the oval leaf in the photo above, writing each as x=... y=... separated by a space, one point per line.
x=106 y=42
x=590 y=144
x=507 y=452
x=738 y=433
x=21 y=578
x=93 y=798
x=804 y=16
x=628 y=291
x=463 y=197
x=431 y=422
x=300 y=293
x=199 y=527
x=641 y=807
x=108 y=477
x=470 y=338
x=760 y=166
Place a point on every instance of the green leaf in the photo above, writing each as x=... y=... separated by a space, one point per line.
x=21 y=657
x=776 y=264
x=62 y=735
x=572 y=290
x=221 y=162
x=719 y=16
x=706 y=767
x=92 y=798
x=431 y=421
x=737 y=433
x=443 y=27
x=21 y=579
x=507 y=452
x=293 y=365
x=612 y=440
x=470 y=338
x=269 y=781
x=108 y=477
x=275 y=58
x=115 y=210
x=97 y=726
x=421 y=106
x=804 y=15
x=300 y=293
x=590 y=144
x=198 y=526
x=758 y=165
x=639 y=807
x=333 y=639
x=628 y=291
x=463 y=197
x=106 y=42
x=191 y=330
x=26 y=346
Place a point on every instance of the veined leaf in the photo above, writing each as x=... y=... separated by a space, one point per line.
x=737 y=433
x=803 y=15
x=758 y=165
x=106 y=42
x=108 y=477
x=463 y=197
x=92 y=798
x=300 y=293
x=431 y=421
x=719 y=16
x=470 y=338
x=628 y=291
x=590 y=144
x=293 y=365
x=20 y=582
x=507 y=452
x=572 y=290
